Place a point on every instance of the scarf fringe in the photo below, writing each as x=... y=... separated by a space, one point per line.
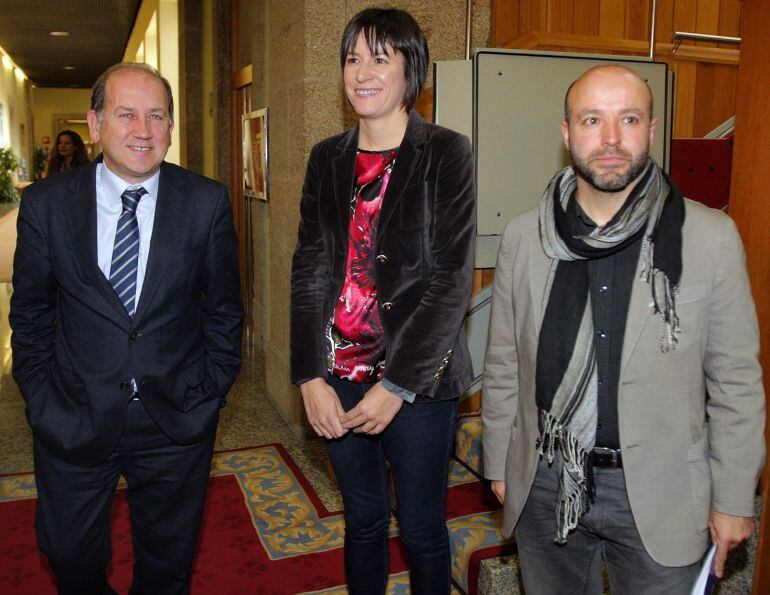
x=572 y=501
x=663 y=296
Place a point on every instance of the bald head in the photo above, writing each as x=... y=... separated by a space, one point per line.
x=616 y=75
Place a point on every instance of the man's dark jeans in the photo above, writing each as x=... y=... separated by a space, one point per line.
x=606 y=531
x=417 y=444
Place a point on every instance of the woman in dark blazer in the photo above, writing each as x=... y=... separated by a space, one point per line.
x=380 y=283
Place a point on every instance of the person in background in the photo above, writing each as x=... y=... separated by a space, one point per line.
x=68 y=152
x=623 y=405
x=381 y=278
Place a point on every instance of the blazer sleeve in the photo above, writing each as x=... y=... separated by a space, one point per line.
x=500 y=389
x=222 y=307
x=736 y=400
x=433 y=327
x=310 y=278
x=33 y=302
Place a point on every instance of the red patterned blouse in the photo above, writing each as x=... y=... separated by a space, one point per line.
x=354 y=334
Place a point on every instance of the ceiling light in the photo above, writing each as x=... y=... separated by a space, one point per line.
x=68 y=67
x=60 y=33
x=19 y=74
x=7 y=62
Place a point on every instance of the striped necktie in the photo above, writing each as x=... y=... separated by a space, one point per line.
x=125 y=254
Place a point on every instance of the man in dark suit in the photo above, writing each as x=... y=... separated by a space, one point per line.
x=126 y=318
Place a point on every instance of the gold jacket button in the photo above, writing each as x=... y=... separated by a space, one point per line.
x=382 y=258
x=387 y=305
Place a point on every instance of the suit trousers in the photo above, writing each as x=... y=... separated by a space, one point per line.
x=166 y=490
x=607 y=530
x=417 y=444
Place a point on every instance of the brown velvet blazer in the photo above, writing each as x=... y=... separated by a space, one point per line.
x=424 y=258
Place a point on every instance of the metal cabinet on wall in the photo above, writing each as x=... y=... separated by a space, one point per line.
x=510 y=103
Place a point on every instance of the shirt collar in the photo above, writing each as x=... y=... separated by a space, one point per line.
x=578 y=221
x=114 y=185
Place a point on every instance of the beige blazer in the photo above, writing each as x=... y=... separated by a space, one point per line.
x=683 y=454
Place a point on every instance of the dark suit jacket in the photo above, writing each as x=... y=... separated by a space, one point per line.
x=75 y=348
x=424 y=257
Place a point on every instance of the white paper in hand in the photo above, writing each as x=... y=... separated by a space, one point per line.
x=707 y=576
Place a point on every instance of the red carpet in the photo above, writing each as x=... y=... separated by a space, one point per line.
x=264 y=531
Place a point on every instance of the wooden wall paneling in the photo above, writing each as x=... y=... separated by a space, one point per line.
x=561 y=16
x=532 y=15
x=725 y=85
x=424 y=104
x=471 y=405
x=729 y=20
x=476 y=285
x=684 y=106
x=587 y=17
x=637 y=24
x=748 y=207
x=703 y=118
x=715 y=96
x=505 y=22
x=487 y=276
x=664 y=21
x=707 y=20
x=612 y=18
x=685 y=17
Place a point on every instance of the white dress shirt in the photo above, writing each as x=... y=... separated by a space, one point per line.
x=109 y=205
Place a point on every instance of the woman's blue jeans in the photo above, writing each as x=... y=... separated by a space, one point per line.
x=417 y=445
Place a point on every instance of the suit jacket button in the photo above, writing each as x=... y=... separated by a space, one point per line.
x=382 y=258
x=387 y=305
x=135 y=335
x=125 y=385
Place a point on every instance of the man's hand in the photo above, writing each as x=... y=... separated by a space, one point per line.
x=498 y=488
x=728 y=531
x=323 y=408
x=374 y=412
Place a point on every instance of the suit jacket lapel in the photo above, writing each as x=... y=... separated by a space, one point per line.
x=407 y=160
x=167 y=236
x=541 y=269
x=80 y=215
x=343 y=174
x=640 y=308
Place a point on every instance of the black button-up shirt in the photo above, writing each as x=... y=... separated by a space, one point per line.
x=610 y=280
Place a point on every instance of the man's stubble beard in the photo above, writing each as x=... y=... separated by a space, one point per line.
x=611 y=182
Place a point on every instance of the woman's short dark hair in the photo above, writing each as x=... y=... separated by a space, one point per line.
x=398 y=29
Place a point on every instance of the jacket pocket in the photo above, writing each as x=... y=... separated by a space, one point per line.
x=691 y=293
x=192 y=385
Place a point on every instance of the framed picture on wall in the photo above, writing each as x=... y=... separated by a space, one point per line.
x=255 y=153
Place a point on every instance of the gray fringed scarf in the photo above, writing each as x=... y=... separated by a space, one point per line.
x=566 y=376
